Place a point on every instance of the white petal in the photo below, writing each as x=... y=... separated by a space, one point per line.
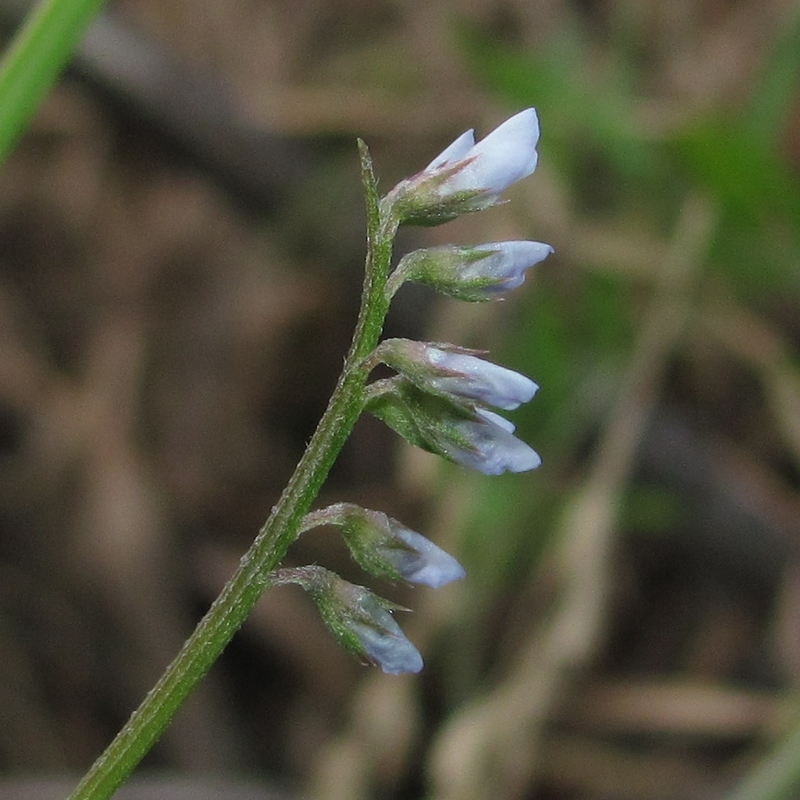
x=429 y=565
x=496 y=419
x=507 y=264
x=387 y=645
x=454 y=152
x=480 y=380
x=509 y=258
x=495 y=449
x=505 y=156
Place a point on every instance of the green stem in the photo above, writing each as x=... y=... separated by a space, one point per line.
x=243 y=590
x=34 y=60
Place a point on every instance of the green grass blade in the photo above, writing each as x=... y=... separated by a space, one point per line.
x=34 y=60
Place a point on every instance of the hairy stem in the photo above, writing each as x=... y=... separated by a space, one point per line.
x=243 y=590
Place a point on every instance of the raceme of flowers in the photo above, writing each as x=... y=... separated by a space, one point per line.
x=442 y=398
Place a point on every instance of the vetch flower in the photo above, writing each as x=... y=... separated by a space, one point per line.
x=478 y=273
x=470 y=436
x=379 y=638
x=491 y=447
x=469 y=176
x=361 y=621
x=505 y=156
x=446 y=369
x=386 y=548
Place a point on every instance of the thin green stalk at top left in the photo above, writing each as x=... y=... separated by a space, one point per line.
x=34 y=60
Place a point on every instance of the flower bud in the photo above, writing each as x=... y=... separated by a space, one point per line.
x=475 y=274
x=360 y=621
x=472 y=437
x=469 y=177
x=386 y=548
x=449 y=370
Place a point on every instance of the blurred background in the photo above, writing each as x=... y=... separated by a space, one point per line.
x=181 y=250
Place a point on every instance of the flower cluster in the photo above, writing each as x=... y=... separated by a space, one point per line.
x=442 y=398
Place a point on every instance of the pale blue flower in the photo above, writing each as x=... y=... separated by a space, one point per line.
x=456 y=371
x=468 y=176
x=382 y=641
x=489 y=446
x=360 y=621
x=472 y=378
x=465 y=433
x=385 y=547
x=504 y=266
x=418 y=559
x=507 y=155
x=478 y=273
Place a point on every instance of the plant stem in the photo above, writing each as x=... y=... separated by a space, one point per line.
x=243 y=590
x=34 y=60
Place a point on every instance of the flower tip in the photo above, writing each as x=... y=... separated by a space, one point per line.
x=496 y=419
x=410 y=663
x=526 y=125
x=423 y=562
x=444 y=571
x=506 y=453
x=530 y=118
x=510 y=150
x=525 y=460
x=393 y=653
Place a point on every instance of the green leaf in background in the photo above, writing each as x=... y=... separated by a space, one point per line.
x=775 y=95
x=598 y=114
x=742 y=171
x=596 y=137
x=35 y=59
